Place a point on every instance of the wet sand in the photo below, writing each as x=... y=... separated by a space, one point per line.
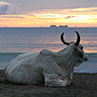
x=84 y=85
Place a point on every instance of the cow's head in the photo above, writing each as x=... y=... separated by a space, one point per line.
x=77 y=48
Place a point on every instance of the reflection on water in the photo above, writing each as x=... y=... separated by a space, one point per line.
x=36 y=39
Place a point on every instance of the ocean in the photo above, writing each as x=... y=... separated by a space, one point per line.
x=15 y=41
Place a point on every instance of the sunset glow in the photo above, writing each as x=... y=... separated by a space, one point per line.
x=79 y=17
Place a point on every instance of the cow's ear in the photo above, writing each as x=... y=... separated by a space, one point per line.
x=81 y=47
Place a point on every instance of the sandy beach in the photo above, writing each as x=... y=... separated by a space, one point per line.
x=84 y=85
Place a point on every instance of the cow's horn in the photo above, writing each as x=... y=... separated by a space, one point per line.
x=78 y=39
x=62 y=39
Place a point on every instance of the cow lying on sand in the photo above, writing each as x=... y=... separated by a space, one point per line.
x=50 y=68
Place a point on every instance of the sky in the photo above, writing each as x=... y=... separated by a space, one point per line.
x=43 y=13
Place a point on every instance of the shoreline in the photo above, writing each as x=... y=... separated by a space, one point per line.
x=84 y=85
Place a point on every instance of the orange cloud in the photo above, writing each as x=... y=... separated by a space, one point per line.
x=81 y=17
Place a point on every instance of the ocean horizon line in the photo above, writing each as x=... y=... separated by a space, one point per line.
x=48 y=27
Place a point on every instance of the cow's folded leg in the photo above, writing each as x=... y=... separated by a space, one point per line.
x=55 y=80
x=59 y=82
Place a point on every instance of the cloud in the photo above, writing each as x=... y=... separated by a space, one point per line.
x=46 y=17
x=93 y=9
x=2 y=3
x=3 y=8
x=64 y=13
x=12 y=16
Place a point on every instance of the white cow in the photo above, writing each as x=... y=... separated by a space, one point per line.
x=47 y=67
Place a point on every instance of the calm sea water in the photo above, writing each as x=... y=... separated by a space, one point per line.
x=14 y=41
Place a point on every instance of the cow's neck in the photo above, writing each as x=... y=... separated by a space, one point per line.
x=66 y=59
